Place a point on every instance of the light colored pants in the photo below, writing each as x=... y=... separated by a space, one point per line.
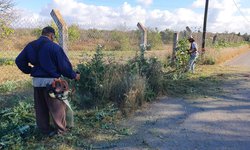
x=192 y=61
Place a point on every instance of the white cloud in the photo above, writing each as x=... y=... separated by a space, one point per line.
x=145 y=2
x=222 y=16
x=91 y=16
x=199 y=3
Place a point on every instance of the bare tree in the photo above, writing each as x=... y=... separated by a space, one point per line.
x=6 y=17
x=6 y=9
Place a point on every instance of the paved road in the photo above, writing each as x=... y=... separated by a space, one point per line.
x=241 y=60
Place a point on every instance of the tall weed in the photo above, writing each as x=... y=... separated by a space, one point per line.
x=127 y=85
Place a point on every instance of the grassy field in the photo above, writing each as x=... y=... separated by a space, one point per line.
x=9 y=72
x=11 y=75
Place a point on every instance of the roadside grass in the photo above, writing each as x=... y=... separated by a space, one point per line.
x=100 y=123
x=11 y=92
x=205 y=82
x=219 y=55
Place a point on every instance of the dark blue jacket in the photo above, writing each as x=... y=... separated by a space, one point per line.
x=47 y=60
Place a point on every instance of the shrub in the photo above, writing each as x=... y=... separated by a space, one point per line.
x=134 y=96
x=15 y=123
x=6 y=61
x=74 y=33
x=5 y=30
x=37 y=32
x=121 y=40
x=155 y=39
x=167 y=36
x=207 y=60
x=182 y=56
x=154 y=75
x=126 y=85
x=150 y=68
x=92 y=77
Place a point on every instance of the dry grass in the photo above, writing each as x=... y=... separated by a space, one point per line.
x=11 y=72
x=225 y=54
x=135 y=96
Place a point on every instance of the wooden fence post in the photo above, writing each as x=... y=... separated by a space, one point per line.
x=143 y=43
x=175 y=46
x=63 y=29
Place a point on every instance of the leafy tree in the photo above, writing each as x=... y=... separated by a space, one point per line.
x=6 y=8
x=37 y=32
x=154 y=39
x=182 y=56
x=246 y=37
x=74 y=32
x=121 y=40
x=167 y=36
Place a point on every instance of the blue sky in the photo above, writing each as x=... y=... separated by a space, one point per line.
x=36 y=5
x=174 y=14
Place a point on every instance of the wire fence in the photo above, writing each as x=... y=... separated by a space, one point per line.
x=121 y=43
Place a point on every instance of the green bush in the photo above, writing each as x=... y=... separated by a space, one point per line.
x=5 y=30
x=37 y=32
x=221 y=44
x=15 y=123
x=207 y=60
x=74 y=33
x=155 y=40
x=182 y=55
x=92 y=77
x=6 y=61
x=150 y=68
x=127 y=85
x=121 y=40
x=167 y=36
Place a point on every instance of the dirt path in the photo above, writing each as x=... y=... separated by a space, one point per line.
x=216 y=122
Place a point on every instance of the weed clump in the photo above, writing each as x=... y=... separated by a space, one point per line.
x=128 y=85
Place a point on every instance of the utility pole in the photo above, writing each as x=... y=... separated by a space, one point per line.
x=204 y=26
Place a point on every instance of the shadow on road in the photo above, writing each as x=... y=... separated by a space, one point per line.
x=218 y=117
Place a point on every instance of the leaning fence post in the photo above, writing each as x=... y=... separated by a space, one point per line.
x=62 y=27
x=143 y=30
x=175 y=46
x=143 y=43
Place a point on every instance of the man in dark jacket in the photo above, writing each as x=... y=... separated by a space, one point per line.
x=45 y=61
